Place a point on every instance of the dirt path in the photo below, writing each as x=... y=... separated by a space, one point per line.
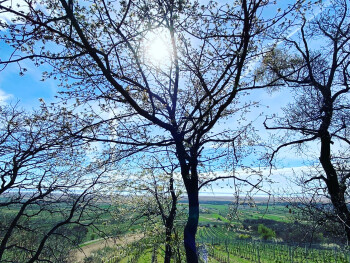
x=85 y=251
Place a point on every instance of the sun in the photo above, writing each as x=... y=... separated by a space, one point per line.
x=157 y=49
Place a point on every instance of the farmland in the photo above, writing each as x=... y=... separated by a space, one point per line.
x=226 y=233
x=225 y=238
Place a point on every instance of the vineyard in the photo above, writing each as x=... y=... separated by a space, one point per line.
x=223 y=246
x=218 y=245
x=219 y=241
x=222 y=241
x=244 y=251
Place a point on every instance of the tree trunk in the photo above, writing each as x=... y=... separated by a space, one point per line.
x=191 y=226
x=154 y=254
x=168 y=250
x=337 y=195
x=10 y=230
x=336 y=189
x=347 y=229
x=169 y=223
x=341 y=209
x=190 y=178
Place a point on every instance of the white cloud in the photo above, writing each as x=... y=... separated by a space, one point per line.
x=18 y=5
x=4 y=97
x=281 y=181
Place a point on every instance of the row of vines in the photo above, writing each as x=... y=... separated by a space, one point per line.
x=218 y=245
x=259 y=252
x=223 y=246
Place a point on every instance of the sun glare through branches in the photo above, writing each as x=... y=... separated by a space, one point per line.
x=157 y=49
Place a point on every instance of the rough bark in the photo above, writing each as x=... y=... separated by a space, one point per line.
x=191 y=225
x=168 y=251
x=169 y=224
x=191 y=184
x=335 y=189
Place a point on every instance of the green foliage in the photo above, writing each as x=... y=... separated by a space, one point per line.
x=244 y=236
x=265 y=232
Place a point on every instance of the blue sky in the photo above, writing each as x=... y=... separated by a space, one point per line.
x=28 y=89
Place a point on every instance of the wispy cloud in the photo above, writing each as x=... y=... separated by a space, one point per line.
x=254 y=63
x=277 y=182
x=4 y=97
x=310 y=18
x=18 y=5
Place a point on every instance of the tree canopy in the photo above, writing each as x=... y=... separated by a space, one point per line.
x=100 y=51
x=317 y=71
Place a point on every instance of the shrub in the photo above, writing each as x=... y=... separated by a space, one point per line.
x=265 y=232
x=244 y=236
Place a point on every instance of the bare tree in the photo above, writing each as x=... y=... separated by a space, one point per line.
x=101 y=55
x=46 y=187
x=153 y=195
x=314 y=63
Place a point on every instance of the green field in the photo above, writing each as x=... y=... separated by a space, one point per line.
x=226 y=234
x=224 y=248
x=231 y=239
